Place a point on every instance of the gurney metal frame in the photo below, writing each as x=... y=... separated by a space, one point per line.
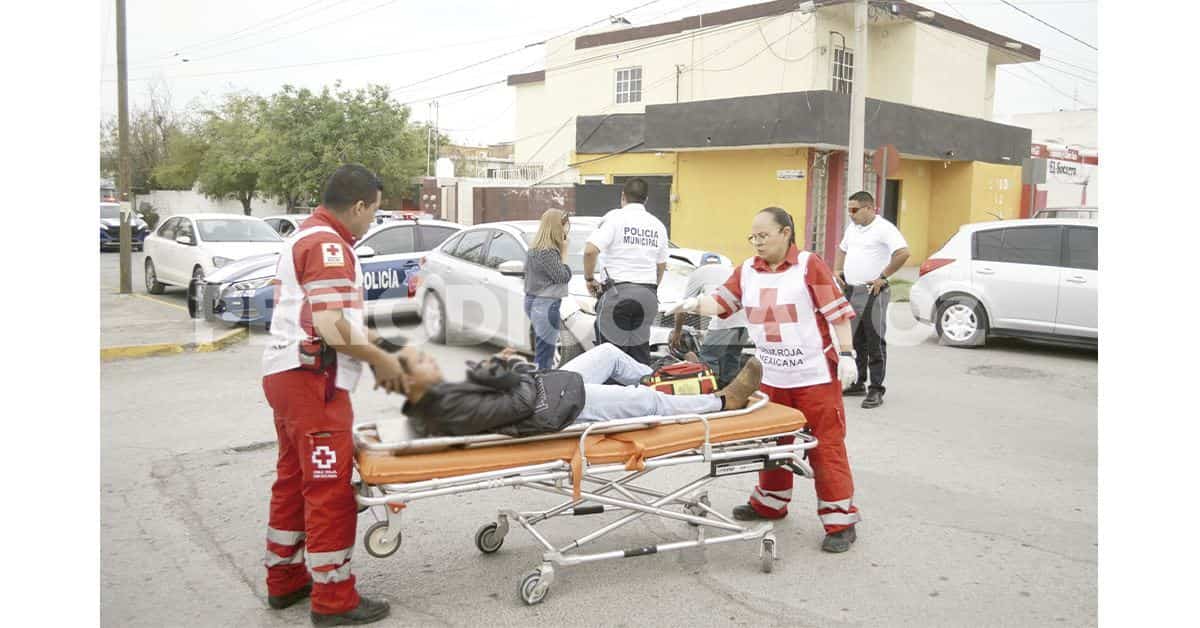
x=748 y=455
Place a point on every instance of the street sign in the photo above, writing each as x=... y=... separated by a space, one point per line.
x=789 y=175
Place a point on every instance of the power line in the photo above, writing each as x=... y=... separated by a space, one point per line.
x=1078 y=76
x=239 y=34
x=1066 y=63
x=766 y=47
x=327 y=62
x=1044 y=83
x=294 y=35
x=1049 y=24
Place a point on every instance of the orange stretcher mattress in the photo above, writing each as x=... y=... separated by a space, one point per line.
x=630 y=448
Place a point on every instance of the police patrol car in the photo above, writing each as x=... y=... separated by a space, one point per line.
x=390 y=254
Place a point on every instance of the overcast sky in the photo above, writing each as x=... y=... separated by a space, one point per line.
x=239 y=45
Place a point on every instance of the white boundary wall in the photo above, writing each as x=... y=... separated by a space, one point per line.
x=172 y=202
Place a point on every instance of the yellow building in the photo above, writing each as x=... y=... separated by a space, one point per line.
x=701 y=105
x=719 y=180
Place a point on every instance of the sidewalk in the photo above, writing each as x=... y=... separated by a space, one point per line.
x=139 y=325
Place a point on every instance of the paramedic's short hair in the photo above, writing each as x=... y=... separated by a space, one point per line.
x=864 y=198
x=350 y=184
x=635 y=190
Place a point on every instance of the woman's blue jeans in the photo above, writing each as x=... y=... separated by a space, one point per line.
x=543 y=313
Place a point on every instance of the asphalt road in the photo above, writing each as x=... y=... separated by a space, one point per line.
x=976 y=479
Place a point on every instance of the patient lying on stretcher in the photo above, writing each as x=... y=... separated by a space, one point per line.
x=506 y=395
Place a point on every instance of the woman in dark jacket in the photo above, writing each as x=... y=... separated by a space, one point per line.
x=546 y=278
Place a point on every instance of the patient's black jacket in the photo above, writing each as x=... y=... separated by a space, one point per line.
x=499 y=397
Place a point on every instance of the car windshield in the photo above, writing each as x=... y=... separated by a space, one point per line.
x=237 y=231
x=575 y=242
x=110 y=211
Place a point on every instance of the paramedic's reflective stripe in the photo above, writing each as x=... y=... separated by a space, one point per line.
x=329 y=298
x=843 y=505
x=284 y=537
x=840 y=518
x=775 y=500
x=726 y=299
x=272 y=559
x=838 y=513
x=836 y=310
x=284 y=547
x=328 y=283
x=329 y=567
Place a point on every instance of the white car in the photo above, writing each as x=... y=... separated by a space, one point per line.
x=285 y=224
x=1034 y=279
x=473 y=286
x=192 y=246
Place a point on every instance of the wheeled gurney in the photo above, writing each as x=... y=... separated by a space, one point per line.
x=595 y=466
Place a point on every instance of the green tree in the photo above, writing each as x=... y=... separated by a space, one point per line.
x=185 y=154
x=307 y=135
x=230 y=166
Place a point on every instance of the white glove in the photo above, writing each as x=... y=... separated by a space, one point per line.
x=690 y=304
x=847 y=370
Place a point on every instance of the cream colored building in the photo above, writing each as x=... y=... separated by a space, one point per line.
x=637 y=100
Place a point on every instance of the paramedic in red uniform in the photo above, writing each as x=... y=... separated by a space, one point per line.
x=792 y=303
x=319 y=345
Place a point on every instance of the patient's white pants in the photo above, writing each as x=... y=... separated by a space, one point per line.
x=606 y=402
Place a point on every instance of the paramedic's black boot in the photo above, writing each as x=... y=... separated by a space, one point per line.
x=874 y=399
x=368 y=611
x=854 y=390
x=746 y=512
x=737 y=393
x=279 y=602
x=839 y=542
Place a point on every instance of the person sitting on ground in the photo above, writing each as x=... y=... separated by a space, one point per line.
x=506 y=395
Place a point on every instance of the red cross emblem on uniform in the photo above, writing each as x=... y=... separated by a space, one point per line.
x=333 y=249
x=770 y=314
x=324 y=457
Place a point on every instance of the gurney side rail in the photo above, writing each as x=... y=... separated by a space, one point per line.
x=560 y=471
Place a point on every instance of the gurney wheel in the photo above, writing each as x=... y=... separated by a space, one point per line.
x=532 y=589
x=768 y=555
x=375 y=540
x=487 y=540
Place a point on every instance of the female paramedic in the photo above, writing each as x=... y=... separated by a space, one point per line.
x=792 y=302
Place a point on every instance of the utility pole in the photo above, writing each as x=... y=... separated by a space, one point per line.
x=437 y=133
x=858 y=105
x=124 y=186
x=428 y=134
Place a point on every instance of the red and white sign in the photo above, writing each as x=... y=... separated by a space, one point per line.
x=1061 y=171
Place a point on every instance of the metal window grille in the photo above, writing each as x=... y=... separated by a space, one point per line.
x=843 y=70
x=629 y=85
x=818 y=204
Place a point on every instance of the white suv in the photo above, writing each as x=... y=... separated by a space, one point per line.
x=1033 y=279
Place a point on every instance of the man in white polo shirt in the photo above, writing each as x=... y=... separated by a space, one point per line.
x=634 y=245
x=871 y=251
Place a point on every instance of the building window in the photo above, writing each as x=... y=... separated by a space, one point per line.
x=843 y=70
x=629 y=85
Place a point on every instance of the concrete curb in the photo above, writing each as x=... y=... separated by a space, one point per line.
x=108 y=354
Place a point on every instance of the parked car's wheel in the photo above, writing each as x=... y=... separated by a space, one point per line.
x=433 y=318
x=152 y=285
x=961 y=322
